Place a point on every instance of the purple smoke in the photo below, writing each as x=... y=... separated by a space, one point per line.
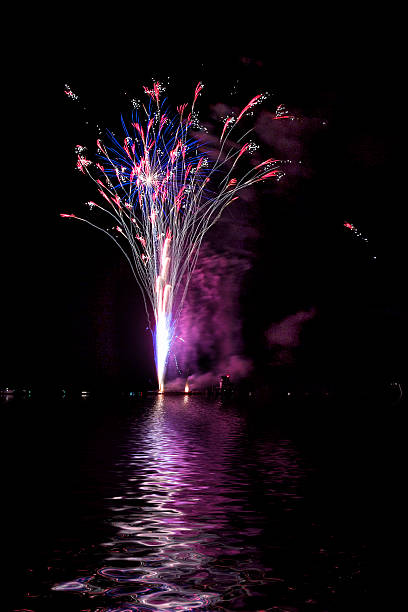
x=209 y=333
x=285 y=335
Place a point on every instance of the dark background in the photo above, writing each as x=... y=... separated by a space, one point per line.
x=71 y=312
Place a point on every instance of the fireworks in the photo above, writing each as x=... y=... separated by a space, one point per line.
x=355 y=231
x=68 y=91
x=163 y=193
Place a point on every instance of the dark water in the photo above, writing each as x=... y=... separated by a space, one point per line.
x=183 y=503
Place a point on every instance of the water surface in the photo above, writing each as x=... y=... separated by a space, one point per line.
x=184 y=503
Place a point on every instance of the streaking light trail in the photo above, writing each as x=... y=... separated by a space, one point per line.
x=163 y=193
x=356 y=232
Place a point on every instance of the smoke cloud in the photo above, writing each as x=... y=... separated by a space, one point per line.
x=285 y=335
x=209 y=333
x=208 y=339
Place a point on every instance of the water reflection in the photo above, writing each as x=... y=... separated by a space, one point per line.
x=195 y=498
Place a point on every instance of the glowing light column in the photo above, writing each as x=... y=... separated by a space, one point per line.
x=163 y=316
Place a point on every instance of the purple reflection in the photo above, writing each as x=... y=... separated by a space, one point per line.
x=187 y=532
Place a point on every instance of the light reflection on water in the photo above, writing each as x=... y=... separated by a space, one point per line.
x=194 y=496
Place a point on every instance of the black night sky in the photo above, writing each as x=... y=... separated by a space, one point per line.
x=71 y=312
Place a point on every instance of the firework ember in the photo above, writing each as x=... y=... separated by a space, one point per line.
x=164 y=194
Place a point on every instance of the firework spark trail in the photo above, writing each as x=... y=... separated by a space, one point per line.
x=155 y=186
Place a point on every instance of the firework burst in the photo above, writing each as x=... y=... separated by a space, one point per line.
x=163 y=193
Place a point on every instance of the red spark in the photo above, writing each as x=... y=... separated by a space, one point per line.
x=197 y=91
x=104 y=195
x=139 y=129
x=268 y=175
x=179 y=198
x=149 y=125
x=126 y=148
x=163 y=120
x=153 y=93
x=181 y=108
x=267 y=161
x=188 y=169
x=242 y=151
x=225 y=125
x=200 y=163
x=248 y=106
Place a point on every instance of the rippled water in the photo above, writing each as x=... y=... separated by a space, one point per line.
x=184 y=503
